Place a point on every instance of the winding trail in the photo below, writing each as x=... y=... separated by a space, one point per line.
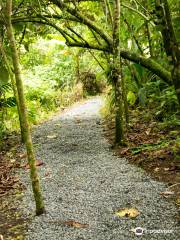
x=83 y=181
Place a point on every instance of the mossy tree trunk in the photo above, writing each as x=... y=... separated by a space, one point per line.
x=171 y=44
x=116 y=76
x=124 y=96
x=27 y=134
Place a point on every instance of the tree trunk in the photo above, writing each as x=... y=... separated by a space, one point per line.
x=171 y=45
x=149 y=40
x=116 y=76
x=27 y=134
x=176 y=78
x=124 y=96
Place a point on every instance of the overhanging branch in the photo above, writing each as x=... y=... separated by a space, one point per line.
x=148 y=63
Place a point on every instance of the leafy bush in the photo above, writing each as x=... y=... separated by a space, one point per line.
x=168 y=104
x=90 y=83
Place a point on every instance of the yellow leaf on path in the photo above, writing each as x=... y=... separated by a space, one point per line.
x=52 y=136
x=127 y=212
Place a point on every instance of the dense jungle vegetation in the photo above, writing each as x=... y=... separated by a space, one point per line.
x=54 y=53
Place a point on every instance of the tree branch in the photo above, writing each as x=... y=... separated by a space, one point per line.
x=148 y=63
x=83 y=19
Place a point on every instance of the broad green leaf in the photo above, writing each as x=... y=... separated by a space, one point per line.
x=131 y=97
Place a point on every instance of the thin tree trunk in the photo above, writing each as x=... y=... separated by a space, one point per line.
x=108 y=6
x=116 y=76
x=149 y=40
x=124 y=96
x=13 y=83
x=148 y=32
x=27 y=134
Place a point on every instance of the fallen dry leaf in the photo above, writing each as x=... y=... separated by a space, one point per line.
x=127 y=212
x=175 y=187
x=156 y=169
x=148 y=131
x=166 y=193
x=52 y=136
x=78 y=121
x=38 y=163
x=13 y=160
x=47 y=174
x=70 y=223
x=23 y=155
x=75 y=224
x=125 y=151
x=173 y=168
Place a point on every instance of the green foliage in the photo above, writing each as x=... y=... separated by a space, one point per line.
x=5 y=88
x=164 y=101
x=49 y=76
x=131 y=98
x=171 y=121
x=151 y=92
x=49 y=61
x=34 y=58
x=140 y=70
x=150 y=146
x=8 y=102
x=142 y=96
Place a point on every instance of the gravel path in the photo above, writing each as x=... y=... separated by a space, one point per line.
x=83 y=181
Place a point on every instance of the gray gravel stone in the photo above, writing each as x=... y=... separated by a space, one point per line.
x=83 y=181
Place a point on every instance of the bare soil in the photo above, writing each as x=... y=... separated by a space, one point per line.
x=12 y=223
